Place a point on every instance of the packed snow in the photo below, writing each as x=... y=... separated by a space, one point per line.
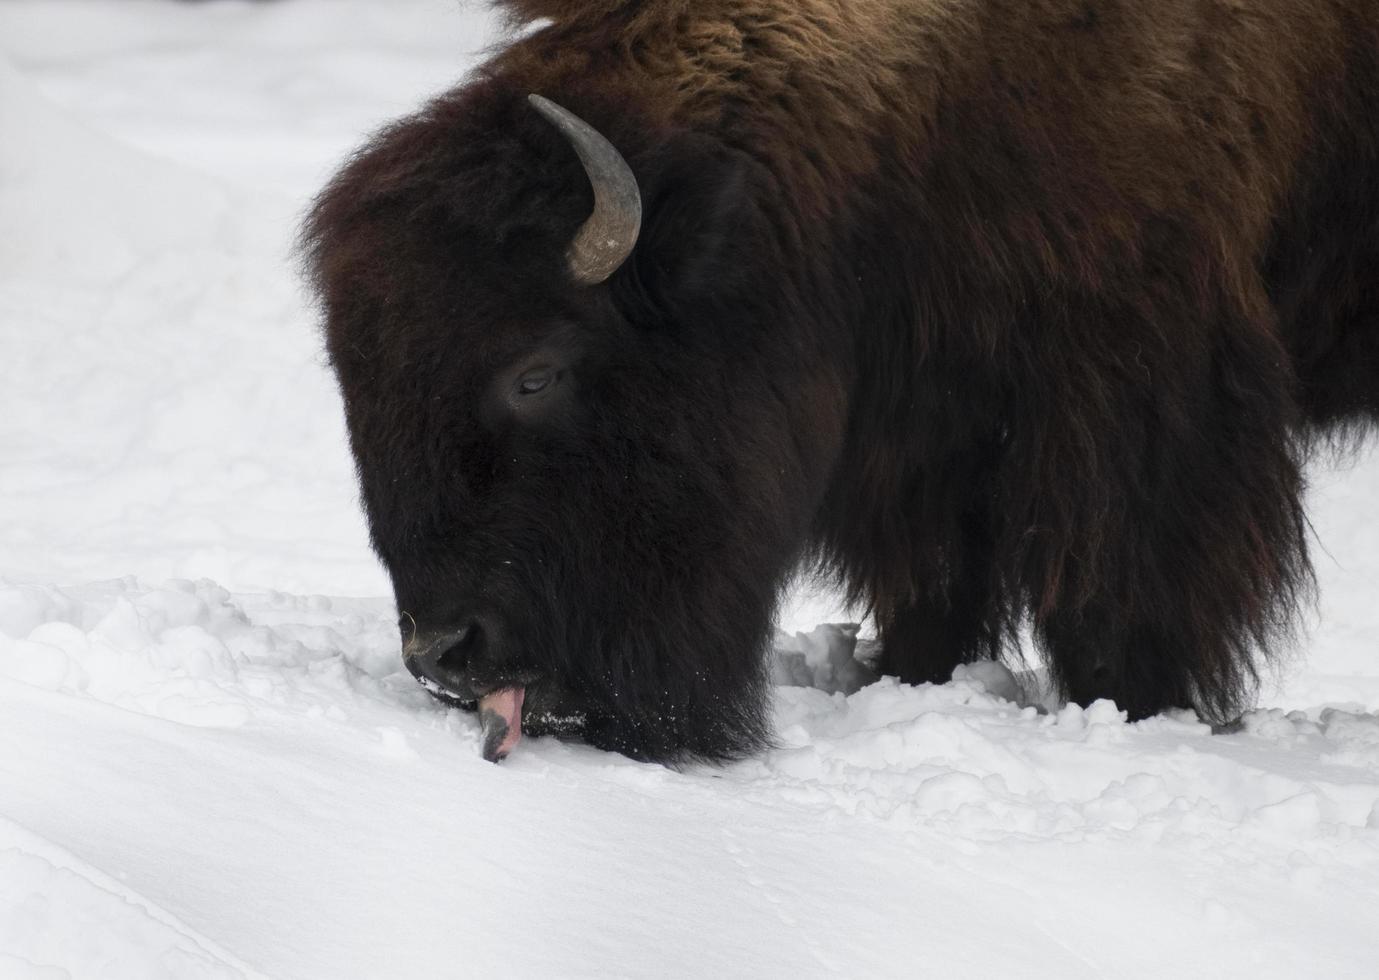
x=212 y=763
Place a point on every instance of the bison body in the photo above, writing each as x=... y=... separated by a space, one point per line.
x=998 y=310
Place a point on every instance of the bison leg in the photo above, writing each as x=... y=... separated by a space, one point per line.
x=1141 y=668
x=923 y=639
x=923 y=642
x=1164 y=548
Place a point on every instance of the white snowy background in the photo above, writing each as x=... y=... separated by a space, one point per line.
x=211 y=764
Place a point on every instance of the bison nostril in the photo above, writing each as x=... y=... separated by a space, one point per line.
x=456 y=657
x=442 y=660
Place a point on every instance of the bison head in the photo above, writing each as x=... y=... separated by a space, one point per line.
x=588 y=467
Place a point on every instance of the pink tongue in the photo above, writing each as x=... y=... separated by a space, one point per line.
x=500 y=715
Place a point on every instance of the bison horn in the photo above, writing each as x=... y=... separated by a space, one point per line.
x=607 y=237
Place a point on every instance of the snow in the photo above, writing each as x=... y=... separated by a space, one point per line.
x=215 y=765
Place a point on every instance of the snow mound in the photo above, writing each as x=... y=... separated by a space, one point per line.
x=188 y=652
x=959 y=760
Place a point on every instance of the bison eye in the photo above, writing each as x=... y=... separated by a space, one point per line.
x=536 y=381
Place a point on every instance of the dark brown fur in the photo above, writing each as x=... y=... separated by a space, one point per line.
x=994 y=309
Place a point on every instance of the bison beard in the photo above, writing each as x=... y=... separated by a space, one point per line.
x=999 y=312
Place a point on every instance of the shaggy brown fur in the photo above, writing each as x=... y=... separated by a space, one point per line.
x=994 y=308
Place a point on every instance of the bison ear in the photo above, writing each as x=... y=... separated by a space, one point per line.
x=701 y=239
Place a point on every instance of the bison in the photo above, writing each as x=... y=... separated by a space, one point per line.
x=1000 y=312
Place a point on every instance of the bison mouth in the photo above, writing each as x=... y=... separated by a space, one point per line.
x=500 y=714
x=506 y=713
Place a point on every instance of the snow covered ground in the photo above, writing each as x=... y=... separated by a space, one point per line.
x=210 y=769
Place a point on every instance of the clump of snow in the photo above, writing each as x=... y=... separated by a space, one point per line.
x=826 y=658
x=993 y=677
x=220 y=767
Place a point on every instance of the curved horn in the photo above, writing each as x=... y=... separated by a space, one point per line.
x=608 y=235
